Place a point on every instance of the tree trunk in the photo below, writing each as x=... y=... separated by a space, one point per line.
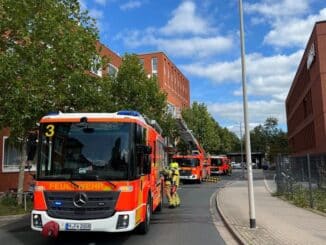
x=20 y=188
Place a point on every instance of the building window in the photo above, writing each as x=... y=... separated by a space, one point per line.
x=154 y=65
x=96 y=66
x=112 y=70
x=171 y=109
x=12 y=156
x=164 y=68
x=141 y=61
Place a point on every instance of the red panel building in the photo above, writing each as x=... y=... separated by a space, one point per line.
x=306 y=100
x=170 y=79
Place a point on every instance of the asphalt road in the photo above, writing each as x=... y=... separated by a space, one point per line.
x=194 y=222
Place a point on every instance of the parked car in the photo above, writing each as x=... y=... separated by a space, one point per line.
x=236 y=165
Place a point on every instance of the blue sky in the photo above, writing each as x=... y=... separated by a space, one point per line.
x=202 y=38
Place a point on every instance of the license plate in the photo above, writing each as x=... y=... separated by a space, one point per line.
x=78 y=226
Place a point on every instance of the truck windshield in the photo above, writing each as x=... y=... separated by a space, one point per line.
x=184 y=162
x=79 y=151
x=216 y=162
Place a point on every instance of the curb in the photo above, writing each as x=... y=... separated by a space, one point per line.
x=11 y=218
x=233 y=232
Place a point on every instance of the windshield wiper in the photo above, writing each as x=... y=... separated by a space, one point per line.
x=74 y=183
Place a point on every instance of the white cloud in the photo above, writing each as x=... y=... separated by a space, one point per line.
x=186 y=20
x=178 y=47
x=266 y=76
x=290 y=21
x=131 y=5
x=200 y=47
x=293 y=32
x=233 y=111
x=278 y=8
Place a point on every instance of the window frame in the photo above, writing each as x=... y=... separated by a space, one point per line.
x=13 y=168
x=154 y=71
x=96 y=71
x=115 y=68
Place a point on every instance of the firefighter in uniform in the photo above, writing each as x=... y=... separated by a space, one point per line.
x=171 y=184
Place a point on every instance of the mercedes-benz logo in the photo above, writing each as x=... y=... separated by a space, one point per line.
x=80 y=199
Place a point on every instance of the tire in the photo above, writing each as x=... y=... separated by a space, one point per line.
x=143 y=227
x=199 y=181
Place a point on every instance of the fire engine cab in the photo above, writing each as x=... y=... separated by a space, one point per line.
x=97 y=172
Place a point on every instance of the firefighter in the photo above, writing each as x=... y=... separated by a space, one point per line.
x=167 y=173
x=171 y=183
x=174 y=167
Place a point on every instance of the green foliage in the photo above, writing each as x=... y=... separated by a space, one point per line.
x=133 y=90
x=211 y=136
x=45 y=49
x=8 y=206
x=300 y=196
x=269 y=139
x=319 y=196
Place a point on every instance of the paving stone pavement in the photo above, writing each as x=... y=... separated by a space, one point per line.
x=277 y=221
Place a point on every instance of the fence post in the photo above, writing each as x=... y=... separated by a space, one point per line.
x=25 y=203
x=302 y=163
x=278 y=176
x=309 y=178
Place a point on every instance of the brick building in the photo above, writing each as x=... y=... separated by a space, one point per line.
x=306 y=100
x=170 y=79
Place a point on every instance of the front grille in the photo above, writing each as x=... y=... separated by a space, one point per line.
x=185 y=172
x=98 y=205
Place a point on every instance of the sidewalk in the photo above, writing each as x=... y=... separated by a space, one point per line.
x=277 y=221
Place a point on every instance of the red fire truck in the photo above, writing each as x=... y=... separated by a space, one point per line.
x=194 y=166
x=97 y=172
x=219 y=165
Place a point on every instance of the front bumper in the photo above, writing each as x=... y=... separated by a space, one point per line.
x=216 y=172
x=96 y=225
x=189 y=177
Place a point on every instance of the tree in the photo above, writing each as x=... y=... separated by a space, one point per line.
x=212 y=137
x=132 y=89
x=202 y=125
x=46 y=47
x=268 y=138
x=230 y=141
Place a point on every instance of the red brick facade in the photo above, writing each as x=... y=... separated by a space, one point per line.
x=9 y=178
x=306 y=100
x=170 y=78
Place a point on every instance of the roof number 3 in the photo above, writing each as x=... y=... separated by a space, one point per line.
x=49 y=130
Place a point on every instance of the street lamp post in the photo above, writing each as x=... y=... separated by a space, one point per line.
x=247 y=134
x=242 y=166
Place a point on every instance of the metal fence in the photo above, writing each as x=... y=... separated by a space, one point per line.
x=302 y=178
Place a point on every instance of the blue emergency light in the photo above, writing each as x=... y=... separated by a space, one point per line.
x=129 y=113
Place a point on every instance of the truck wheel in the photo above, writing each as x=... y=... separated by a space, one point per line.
x=199 y=180
x=143 y=228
